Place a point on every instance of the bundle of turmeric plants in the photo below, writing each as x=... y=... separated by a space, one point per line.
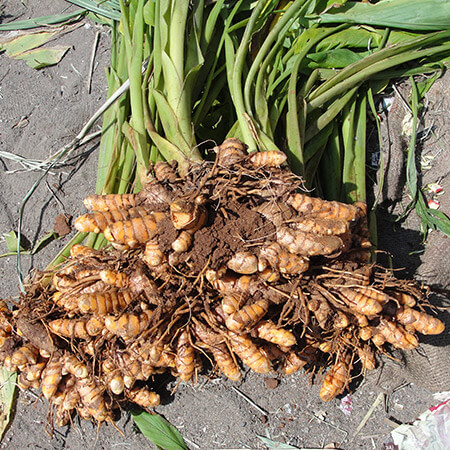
x=219 y=265
x=228 y=264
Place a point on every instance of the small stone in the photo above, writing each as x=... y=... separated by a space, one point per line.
x=271 y=383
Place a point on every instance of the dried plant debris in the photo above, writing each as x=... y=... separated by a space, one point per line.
x=229 y=265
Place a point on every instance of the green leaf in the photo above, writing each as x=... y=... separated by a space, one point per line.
x=269 y=443
x=429 y=218
x=11 y=241
x=100 y=19
x=350 y=38
x=161 y=432
x=334 y=59
x=7 y=391
x=170 y=151
x=424 y=15
x=399 y=37
x=41 y=21
x=44 y=241
x=170 y=122
x=424 y=86
x=211 y=21
x=439 y=220
x=24 y=42
x=309 y=35
x=411 y=170
x=43 y=57
x=149 y=13
x=314 y=125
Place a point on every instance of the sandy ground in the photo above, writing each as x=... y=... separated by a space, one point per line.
x=40 y=111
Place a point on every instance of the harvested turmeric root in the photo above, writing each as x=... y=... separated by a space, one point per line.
x=336 y=379
x=229 y=264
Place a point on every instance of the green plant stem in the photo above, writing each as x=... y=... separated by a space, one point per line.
x=289 y=15
x=236 y=78
x=178 y=97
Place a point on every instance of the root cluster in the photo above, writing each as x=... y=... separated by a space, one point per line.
x=227 y=265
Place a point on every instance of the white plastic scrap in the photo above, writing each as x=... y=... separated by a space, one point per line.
x=430 y=431
x=346 y=405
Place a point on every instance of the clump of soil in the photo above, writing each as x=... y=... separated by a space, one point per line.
x=222 y=237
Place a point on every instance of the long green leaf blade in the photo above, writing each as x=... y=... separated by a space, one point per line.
x=109 y=12
x=415 y=15
x=41 y=21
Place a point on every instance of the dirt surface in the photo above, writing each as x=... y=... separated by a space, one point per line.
x=40 y=111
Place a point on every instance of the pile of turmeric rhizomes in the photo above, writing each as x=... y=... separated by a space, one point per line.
x=230 y=263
